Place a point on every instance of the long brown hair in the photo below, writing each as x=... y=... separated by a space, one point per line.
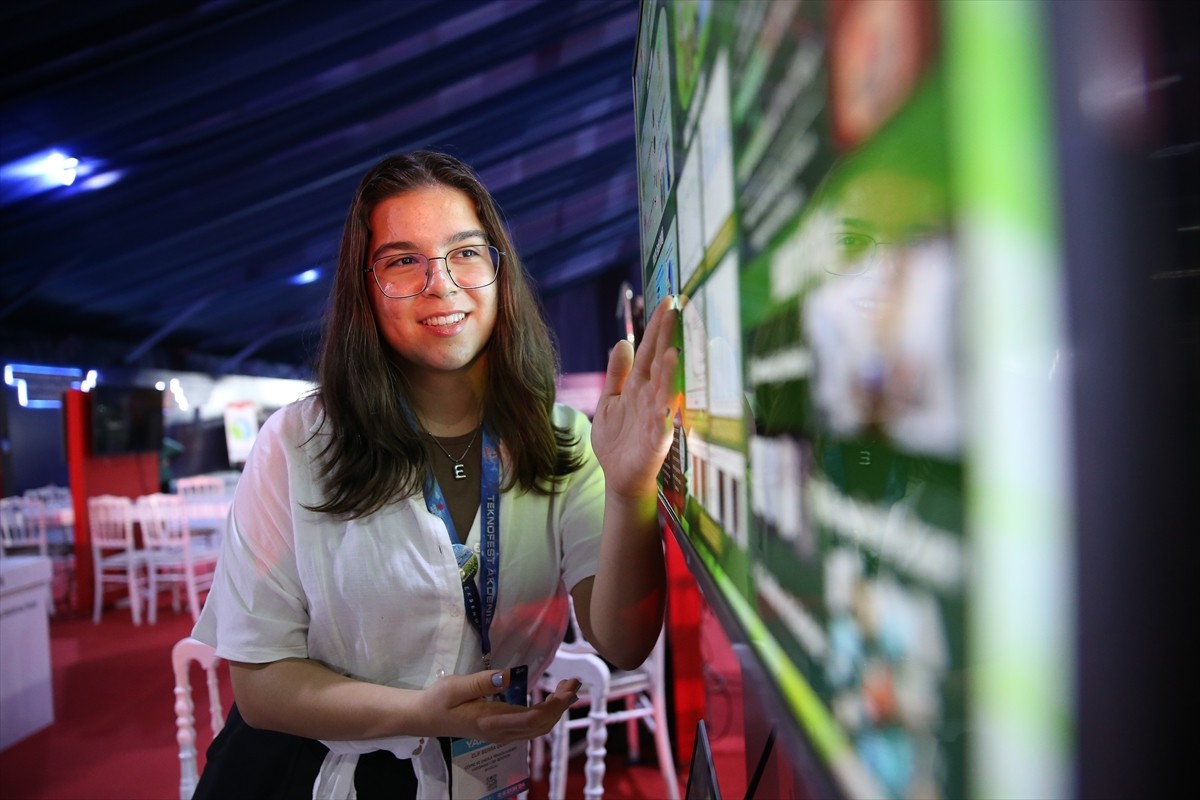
x=372 y=453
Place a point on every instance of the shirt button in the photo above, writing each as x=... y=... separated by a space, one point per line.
x=455 y=612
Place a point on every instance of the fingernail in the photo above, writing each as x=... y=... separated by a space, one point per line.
x=498 y=680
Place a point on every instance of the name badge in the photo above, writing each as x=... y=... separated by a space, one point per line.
x=486 y=771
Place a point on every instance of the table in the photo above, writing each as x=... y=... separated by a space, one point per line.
x=26 y=694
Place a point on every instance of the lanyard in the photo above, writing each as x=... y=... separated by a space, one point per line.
x=480 y=610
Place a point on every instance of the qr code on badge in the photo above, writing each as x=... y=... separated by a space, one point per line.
x=493 y=782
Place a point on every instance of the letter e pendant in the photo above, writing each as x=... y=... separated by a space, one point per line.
x=460 y=472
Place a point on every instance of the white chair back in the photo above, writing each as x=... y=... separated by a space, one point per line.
x=23 y=526
x=55 y=497
x=207 y=499
x=59 y=515
x=110 y=521
x=200 y=487
x=188 y=651
x=164 y=521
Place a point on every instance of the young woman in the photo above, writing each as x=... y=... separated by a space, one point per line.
x=403 y=540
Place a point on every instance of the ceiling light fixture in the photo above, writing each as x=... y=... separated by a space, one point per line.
x=61 y=169
x=50 y=169
x=48 y=383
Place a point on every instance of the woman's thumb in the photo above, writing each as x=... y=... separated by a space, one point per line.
x=488 y=682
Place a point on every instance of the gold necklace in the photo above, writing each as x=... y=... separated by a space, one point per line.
x=460 y=470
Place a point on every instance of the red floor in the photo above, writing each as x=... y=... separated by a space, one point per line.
x=114 y=732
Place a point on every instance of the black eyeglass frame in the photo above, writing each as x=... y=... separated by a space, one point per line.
x=498 y=262
x=869 y=260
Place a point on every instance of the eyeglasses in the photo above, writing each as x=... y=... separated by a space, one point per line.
x=401 y=275
x=856 y=253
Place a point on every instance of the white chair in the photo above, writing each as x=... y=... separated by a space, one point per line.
x=206 y=498
x=22 y=526
x=643 y=693
x=173 y=557
x=115 y=556
x=59 y=515
x=23 y=532
x=186 y=652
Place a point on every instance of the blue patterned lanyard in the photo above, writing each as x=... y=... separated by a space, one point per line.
x=479 y=610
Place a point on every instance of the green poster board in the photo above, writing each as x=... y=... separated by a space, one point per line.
x=844 y=263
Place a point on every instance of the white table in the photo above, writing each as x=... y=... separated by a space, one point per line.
x=26 y=694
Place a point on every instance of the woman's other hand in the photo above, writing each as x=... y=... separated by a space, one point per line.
x=306 y=698
x=470 y=706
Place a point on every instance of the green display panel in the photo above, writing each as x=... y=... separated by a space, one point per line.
x=805 y=190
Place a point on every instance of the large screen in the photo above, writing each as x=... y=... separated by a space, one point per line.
x=126 y=419
x=843 y=259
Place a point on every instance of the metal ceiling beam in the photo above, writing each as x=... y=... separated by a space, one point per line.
x=232 y=363
x=156 y=337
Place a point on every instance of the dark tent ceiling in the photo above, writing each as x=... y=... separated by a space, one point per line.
x=237 y=131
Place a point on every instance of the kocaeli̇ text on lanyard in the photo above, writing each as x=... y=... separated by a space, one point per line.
x=479 y=610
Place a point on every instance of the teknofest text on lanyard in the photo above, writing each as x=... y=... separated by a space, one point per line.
x=480 y=610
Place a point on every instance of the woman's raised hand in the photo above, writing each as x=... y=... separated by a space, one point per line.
x=632 y=426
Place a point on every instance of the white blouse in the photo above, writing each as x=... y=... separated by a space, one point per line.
x=379 y=598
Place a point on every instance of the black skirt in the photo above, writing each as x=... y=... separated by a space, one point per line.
x=246 y=762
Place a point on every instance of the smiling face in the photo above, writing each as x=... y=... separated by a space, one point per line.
x=444 y=328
